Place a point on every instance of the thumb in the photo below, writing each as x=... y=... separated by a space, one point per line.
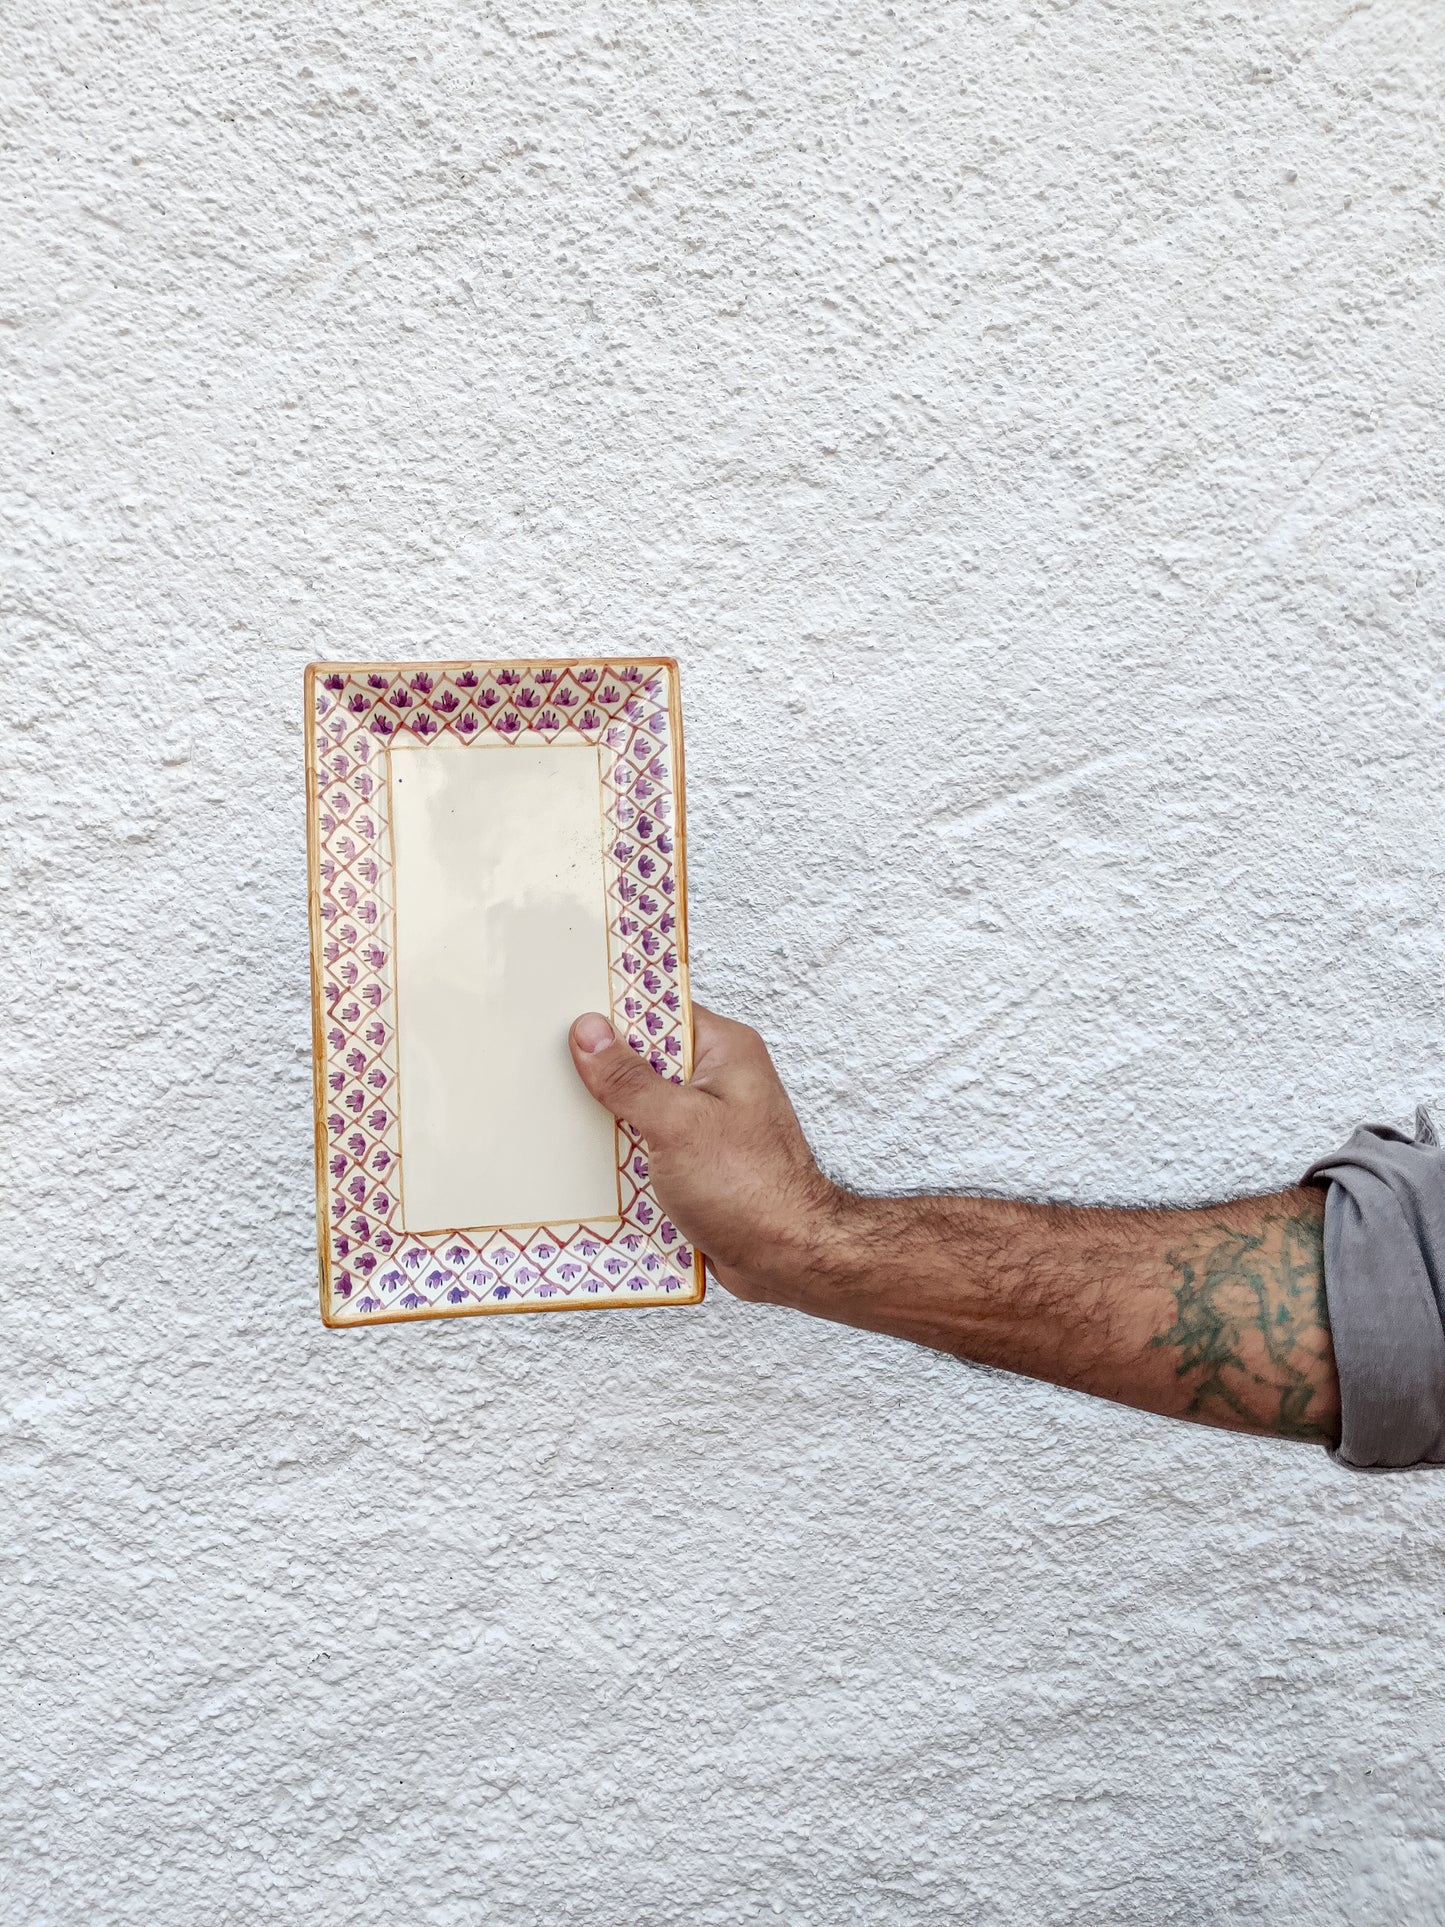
x=618 y=1078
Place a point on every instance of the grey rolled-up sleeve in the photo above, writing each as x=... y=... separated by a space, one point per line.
x=1384 y=1273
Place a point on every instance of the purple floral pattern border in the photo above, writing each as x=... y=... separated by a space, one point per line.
x=373 y=1269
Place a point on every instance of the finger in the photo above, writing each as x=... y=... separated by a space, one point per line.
x=722 y=1049
x=619 y=1080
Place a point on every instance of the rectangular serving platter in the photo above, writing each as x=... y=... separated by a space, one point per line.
x=493 y=847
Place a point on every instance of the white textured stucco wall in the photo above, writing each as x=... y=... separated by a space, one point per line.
x=1023 y=420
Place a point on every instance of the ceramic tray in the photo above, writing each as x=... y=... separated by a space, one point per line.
x=494 y=847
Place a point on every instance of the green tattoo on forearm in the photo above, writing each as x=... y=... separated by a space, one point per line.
x=1251 y=1325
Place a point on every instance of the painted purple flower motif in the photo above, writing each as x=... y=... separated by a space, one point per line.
x=672 y=1000
x=389 y=1280
x=544 y=1251
x=667 y=1231
x=651 y=943
x=423 y=724
x=588 y=675
x=546 y=1290
x=628 y=926
x=546 y=675
x=657 y=769
x=632 y=1006
x=369 y=1304
x=411 y=1302
x=377 y=1120
x=626 y=889
x=383 y=1240
x=335 y=1123
x=400 y=698
x=377 y=1079
x=672 y=1046
x=377 y=682
x=341 y=1245
x=566 y=698
x=648 y=905
x=651 y=982
x=658 y=1062
x=373 y=994
x=589 y=1247
x=360 y=1228
x=646 y=867
x=684 y=1256
x=642 y=789
x=457 y=1255
x=637 y=1284
x=382 y=1160
x=382 y=724
x=358 y=704
x=630 y=1241
x=589 y=719
x=631 y=673
x=343 y=1284
x=645 y=827
x=468 y=725
x=333 y=681
x=413 y=1259
x=510 y=723
x=467 y=679
x=423 y=683
x=623 y=851
x=337 y=1167
x=549 y=719
x=611 y=695
x=593 y=1284
x=668 y=924
x=447 y=702
x=375 y=956
x=527 y=699
x=655 y=1022
x=614 y=1266
x=639 y=1168
x=381 y=1204
x=651 y=1261
x=568 y=1272
x=435 y=1280
x=367 y=870
x=489 y=699
x=456 y=1295
x=502 y=1291
x=356 y=1190
x=630 y=963
x=509 y=678
x=366 y=1263
x=502 y=1257
x=644 y=1211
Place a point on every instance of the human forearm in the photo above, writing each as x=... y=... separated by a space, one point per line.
x=1216 y=1315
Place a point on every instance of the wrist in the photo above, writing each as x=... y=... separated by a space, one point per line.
x=810 y=1264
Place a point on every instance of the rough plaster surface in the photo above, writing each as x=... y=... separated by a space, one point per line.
x=1023 y=420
